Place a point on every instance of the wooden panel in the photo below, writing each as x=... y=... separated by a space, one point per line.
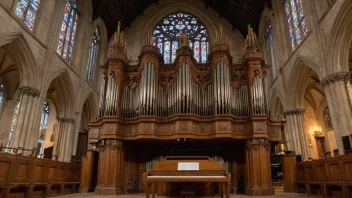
x=29 y=176
x=327 y=175
x=321 y=172
x=348 y=171
x=4 y=171
x=335 y=171
x=22 y=172
x=38 y=173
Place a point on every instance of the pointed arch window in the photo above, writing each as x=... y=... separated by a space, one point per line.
x=43 y=126
x=13 y=124
x=93 y=56
x=296 y=22
x=68 y=31
x=1 y=96
x=270 y=46
x=27 y=11
x=166 y=33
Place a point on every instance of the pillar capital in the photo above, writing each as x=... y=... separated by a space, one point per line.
x=31 y=91
x=335 y=77
x=257 y=143
x=63 y=119
x=294 y=112
x=110 y=143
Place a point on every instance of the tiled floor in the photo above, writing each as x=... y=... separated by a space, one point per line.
x=91 y=195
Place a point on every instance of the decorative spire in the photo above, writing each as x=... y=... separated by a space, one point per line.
x=251 y=40
x=118 y=48
x=185 y=39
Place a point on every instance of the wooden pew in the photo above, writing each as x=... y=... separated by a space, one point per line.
x=326 y=177
x=22 y=176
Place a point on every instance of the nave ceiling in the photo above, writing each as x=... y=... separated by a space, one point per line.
x=239 y=13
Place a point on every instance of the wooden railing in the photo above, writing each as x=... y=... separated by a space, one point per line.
x=331 y=177
x=22 y=176
x=17 y=151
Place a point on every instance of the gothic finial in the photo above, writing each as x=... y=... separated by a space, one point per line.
x=251 y=40
x=185 y=38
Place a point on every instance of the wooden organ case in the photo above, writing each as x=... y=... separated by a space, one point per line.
x=161 y=102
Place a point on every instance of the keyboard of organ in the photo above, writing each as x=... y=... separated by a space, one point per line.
x=167 y=171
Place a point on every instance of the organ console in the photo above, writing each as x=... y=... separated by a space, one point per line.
x=153 y=101
x=185 y=170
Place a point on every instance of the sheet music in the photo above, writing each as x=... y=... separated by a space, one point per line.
x=188 y=166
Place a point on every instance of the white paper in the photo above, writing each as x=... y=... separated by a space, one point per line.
x=188 y=166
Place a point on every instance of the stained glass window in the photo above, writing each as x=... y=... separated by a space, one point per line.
x=1 y=95
x=14 y=121
x=167 y=31
x=45 y=117
x=43 y=127
x=296 y=22
x=27 y=11
x=93 y=56
x=269 y=47
x=68 y=31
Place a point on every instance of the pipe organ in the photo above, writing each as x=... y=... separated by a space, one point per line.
x=156 y=102
x=187 y=93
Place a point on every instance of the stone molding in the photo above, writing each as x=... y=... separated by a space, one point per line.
x=336 y=77
x=66 y=120
x=257 y=143
x=112 y=143
x=294 y=112
x=31 y=91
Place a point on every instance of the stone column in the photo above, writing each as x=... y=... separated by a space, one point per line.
x=63 y=139
x=69 y=141
x=258 y=172
x=22 y=130
x=297 y=136
x=339 y=105
x=110 y=177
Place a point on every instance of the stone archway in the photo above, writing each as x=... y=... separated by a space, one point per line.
x=60 y=92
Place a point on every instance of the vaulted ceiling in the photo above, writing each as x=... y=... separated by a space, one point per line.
x=239 y=13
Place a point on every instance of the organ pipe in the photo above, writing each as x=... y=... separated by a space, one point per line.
x=111 y=96
x=258 y=103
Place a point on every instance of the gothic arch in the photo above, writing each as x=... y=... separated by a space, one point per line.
x=63 y=99
x=340 y=41
x=302 y=70
x=17 y=46
x=91 y=103
x=276 y=104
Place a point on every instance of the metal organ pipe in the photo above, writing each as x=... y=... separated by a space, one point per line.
x=258 y=103
x=101 y=101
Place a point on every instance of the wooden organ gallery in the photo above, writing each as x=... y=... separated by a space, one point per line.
x=153 y=114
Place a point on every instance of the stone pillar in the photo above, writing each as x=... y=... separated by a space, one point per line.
x=297 y=136
x=258 y=172
x=110 y=177
x=339 y=105
x=25 y=120
x=69 y=140
x=63 y=140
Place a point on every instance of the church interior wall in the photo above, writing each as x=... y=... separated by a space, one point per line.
x=48 y=64
x=72 y=97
